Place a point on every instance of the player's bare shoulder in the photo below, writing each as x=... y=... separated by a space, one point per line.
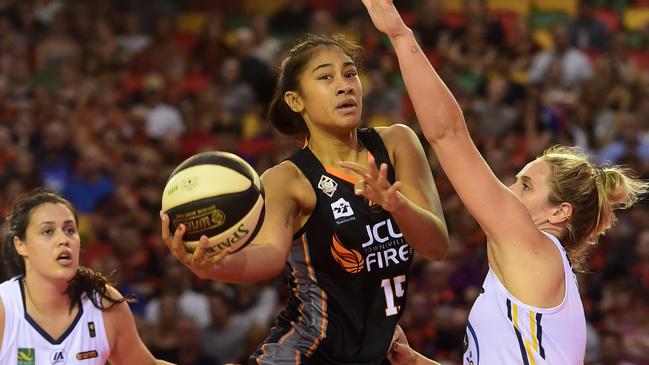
x=288 y=178
x=397 y=131
x=112 y=293
x=397 y=138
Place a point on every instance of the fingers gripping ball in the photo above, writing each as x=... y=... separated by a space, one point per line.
x=216 y=194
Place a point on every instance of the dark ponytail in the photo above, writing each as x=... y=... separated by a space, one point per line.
x=283 y=118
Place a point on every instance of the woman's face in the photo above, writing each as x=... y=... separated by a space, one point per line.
x=330 y=95
x=532 y=187
x=51 y=246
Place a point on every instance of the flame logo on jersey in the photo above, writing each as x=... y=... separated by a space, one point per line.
x=349 y=259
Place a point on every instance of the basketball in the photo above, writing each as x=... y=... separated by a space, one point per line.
x=217 y=194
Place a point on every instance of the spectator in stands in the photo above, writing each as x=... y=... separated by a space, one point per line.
x=190 y=351
x=225 y=337
x=430 y=29
x=292 y=18
x=177 y=282
x=90 y=185
x=56 y=157
x=161 y=118
x=574 y=64
x=586 y=31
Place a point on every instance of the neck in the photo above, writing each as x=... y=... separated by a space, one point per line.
x=331 y=149
x=45 y=297
x=556 y=231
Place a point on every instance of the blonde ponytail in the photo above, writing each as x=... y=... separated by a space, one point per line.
x=616 y=189
x=594 y=192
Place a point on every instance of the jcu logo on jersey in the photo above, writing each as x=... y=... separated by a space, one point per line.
x=384 y=247
x=58 y=357
x=26 y=356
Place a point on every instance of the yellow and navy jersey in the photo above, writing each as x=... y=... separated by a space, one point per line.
x=25 y=342
x=503 y=330
x=347 y=272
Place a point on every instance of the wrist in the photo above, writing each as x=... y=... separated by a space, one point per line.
x=399 y=205
x=404 y=34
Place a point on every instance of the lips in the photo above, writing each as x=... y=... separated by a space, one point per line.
x=347 y=105
x=65 y=257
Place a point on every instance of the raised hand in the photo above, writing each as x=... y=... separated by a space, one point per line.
x=386 y=18
x=374 y=184
x=200 y=262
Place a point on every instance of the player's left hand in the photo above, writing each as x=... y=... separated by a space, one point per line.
x=374 y=184
x=400 y=352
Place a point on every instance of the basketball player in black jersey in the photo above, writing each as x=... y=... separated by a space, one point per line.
x=344 y=236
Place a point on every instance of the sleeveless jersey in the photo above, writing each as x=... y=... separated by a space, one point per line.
x=24 y=342
x=347 y=273
x=503 y=330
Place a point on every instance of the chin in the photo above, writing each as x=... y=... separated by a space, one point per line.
x=66 y=273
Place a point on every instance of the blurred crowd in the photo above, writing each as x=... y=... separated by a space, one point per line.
x=100 y=100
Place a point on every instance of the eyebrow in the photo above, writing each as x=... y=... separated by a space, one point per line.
x=525 y=178
x=52 y=222
x=345 y=64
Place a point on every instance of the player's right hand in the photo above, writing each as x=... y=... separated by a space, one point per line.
x=200 y=262
x=385 y=17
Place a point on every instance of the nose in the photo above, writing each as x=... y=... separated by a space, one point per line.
x=62 y=239
x=344 y=88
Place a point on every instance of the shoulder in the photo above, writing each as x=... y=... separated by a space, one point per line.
x=396 y=132
x=9 y=288
x=286 y=183
x=114 y=294
x=116 y=313
x=284 y=174
x=399 y=139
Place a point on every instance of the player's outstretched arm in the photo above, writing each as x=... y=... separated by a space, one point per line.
x=125 y=343
x=266 y=255
x=444 y=127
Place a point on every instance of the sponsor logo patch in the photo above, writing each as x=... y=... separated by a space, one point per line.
x=91 y=329
x=58 y=357
x=327 y=185
x=26 y=356
x=87 y=355
x=341 y=210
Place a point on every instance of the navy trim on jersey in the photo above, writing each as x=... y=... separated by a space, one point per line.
x=40 y=329
x=518 y=333
x=539 y=334
x=475 y=340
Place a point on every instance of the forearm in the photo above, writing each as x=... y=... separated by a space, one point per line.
x=437 y=110
x=424 y=231
x=422 y=360
x=253 y=263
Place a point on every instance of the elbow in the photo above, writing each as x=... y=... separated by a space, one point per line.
x=452 y=125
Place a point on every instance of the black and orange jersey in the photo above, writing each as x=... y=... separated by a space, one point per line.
x=347 y=273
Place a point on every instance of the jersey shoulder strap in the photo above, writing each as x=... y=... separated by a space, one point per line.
x=371 y=139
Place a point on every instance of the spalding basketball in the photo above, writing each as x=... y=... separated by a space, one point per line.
x=216 y=194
